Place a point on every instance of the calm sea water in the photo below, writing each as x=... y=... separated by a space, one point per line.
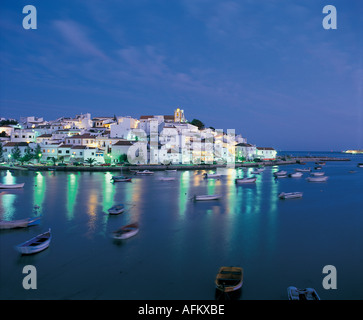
x=182 y=244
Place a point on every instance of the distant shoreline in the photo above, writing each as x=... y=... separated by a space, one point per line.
x=158 y=167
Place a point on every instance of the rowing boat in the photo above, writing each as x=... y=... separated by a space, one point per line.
x=126 y=232
x=36 y=244
x=229 y=279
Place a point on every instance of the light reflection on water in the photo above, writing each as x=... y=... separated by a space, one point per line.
x=249 y=226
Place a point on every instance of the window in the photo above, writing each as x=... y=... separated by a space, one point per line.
x=80 y=153
x=67 y=151
x=59 y=151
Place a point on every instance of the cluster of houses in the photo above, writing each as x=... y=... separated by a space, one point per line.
x=110 y=140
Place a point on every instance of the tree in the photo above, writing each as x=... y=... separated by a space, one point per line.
x=198 y=123
x=27 y=155
x=54 y=160
x=37 y=153
x=90 y=161
x=16 y=153
x=123 y=158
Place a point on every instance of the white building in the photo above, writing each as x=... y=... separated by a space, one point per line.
x=266 y=153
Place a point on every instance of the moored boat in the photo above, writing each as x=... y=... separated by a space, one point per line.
x=317 y=174
x=303 y=169
x=36 y=244
x=144 y=172
x=207 y=197
x=121 y=179
x=280 y=173
x=317 y=179
x=296 y=175
x=23 y=223
x=126 y=232
x=360 y=165
x=245 y=180
x=11 y=186
x=116 y=209
x=290 y=195
x=229 y=279
x=294 y=293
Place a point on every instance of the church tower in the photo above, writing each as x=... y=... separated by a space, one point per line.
x=179 y=115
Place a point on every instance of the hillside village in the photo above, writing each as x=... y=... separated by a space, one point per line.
x=163 y=139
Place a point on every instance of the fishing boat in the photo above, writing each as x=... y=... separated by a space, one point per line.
x=290 y=195
x=126 y=232
x=36 y=244
x=166 y=179
x=318 y=167
x=121 y=179
x=212 y=175
x=317 y=179
x=23 y=223
x=296 y=175
x=145 y=172
x=11 y=186
x=116 y=209
x=278 y=176
x=303 y=169
x=360 y=165
x=245 y=180
x=317 y=174
x=294 y=293
x=207 y=197
x=229 y=279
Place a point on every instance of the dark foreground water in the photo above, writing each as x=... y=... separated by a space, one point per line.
x=182 y=244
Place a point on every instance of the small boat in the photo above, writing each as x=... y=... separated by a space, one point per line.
x=245 y=180
x=279 y=176
x=302 y=294
x=360 y=165
x=290 y=195
x=318 y=167
x=317 y=174
x=121 y=179
x=23 y=223
x=256 y=172
x=126 y=232
x=352 y=171
x=317 y=179
x=145 y=172
x=207 y=197
x=229 y=279
x=166 y=178
x=170 y=170
x=36 y=244
x=296 y=175
x=321 y=163
x=280 y=173
x=212 y=175
x=303 y=170
x=116 y=209
x=11 y=186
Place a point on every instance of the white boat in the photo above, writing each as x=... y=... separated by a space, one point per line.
x=116 y=209
x=207 y=197
x=36 y=244
x=294 y=293
x=170 y=170
x=317 y=179
x=290 y=195
x=256 y=172
x=23 y=223
x=317 y=174
x=360 y=165
x=280 y=173
x=126 y=232
x=296 y=175
x=212 y=175
x=145 y=172
x=303 y=170
x=121 y=179
x=245 y=180
x=166 y=179
x=11 y=186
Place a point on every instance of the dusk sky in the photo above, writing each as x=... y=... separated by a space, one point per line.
x=266 y=68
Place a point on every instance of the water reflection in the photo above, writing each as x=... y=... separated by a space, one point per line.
x=39 y=190
x=72 y=190
x=183 y=192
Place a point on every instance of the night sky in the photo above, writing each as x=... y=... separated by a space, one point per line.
x=266 y=68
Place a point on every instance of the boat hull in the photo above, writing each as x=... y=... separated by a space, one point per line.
x=229 y=279
x=294 y=293
x=245 y=180
x=11 y=186
x=36 y=244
